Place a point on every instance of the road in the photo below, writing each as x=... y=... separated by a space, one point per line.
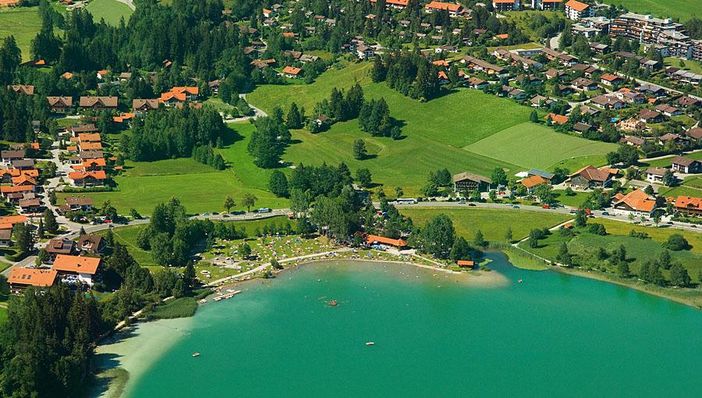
x=258 y=112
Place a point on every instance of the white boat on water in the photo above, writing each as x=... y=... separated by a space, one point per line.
x=370 y=343
x=196 y=354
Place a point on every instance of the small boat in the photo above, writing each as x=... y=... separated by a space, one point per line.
x=218 y=298
x=196 y=354
x=332 y=303
x=520 y=281
x=370 y=343
x=202 y=301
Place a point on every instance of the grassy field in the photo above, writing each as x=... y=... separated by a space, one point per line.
x=682 y=9
x=109 y=10
x=638 y=250
x=201 y=188
x=438 y=133
x=523 y=19
x=493 y=223
x=665 y=162
x=535 y=145
x=23 y=23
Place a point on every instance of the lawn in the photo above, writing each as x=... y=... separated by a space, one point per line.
x=493 y=223
x=109 y=10
x=177 y=308
x=691 y=65
x=638 y=250
x=523 y=19
x=23 y=23
x=3 y=315
x=534 y=145
x=665 y=162
x=437 y=134
x=201 y=188
x=682 y=9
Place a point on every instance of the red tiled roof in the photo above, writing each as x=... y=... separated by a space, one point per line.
x=637 y=200
x=576 y=5
x=371 y=239
x=32 y=277
x=78 y=264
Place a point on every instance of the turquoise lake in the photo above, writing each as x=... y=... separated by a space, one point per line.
x=552 y=335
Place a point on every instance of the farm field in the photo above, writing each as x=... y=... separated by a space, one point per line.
x=535 y=145
x=199 y=187
x=109 y=10
x=23 y=23
x=682 y=9
x=493 y=223
x=437 y=134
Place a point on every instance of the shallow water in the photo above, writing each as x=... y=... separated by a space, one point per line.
x=553 y=334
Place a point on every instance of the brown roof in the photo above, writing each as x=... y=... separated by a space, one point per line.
x=26 y=89
x=592 y=173
x=683 y=161
x=78 y=264
x=91 y=101
x=32 y=277
x=60 y=246
x=472 y=177
x=60 y=101
x=695 y=133
x=148 y=103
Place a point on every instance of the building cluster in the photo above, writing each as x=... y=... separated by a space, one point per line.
x=73 y=262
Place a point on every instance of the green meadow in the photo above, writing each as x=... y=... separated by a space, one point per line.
x=109 y=10
x=199 y=187
x=680 y=9
x=23 y=23
x=536 y=145
x=465 y=130
x=493 y=223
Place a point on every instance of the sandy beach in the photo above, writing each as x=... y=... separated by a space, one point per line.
x=134 y=350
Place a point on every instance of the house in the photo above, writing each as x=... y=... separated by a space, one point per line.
x=364 y=51
x=469 y=182
x=98 y=103
x=83 y=128
x=91 y=165
x=583 y=84
x=88 y=178
x=21 y=278
x=77 y=269
x=8 y=156
x=5 y=237
x=179 y=95
x=650 y=116
x=670 y=138
x=394 y=4
x=546 y=4
x=655 y=174
x=557 y=119
x=506 y=5
x=581 y=127
x=24 y=89
x=632 y=140
x=23 y=164
x=291 y=72
x=30 y=206
x=59 y=246
x=668 y=110
x=611 y=80
x=79 y=203
x=688 y=206
x=91 y=244
x=539 y=100
x=466 y=264
x=140 y=105
x=686 y=165
x=592 y=177
x=383 y=241
x=531 y=182
x=576 y=10
x=637 y=201
x=60 y=104
x=477 y=83
x=453 y=9
x=608 y=101
x=694 y=133
x=480 y=65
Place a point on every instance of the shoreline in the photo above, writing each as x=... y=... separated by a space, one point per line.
x=634 y=284
x=120 y=359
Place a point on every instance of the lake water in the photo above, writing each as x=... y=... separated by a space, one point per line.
x=552 y=335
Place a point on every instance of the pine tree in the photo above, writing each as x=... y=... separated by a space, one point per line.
x=359 y=149
x=294 y=119
x=50 y=221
